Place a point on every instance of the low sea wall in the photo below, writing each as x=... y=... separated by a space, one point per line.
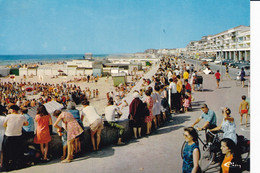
x=109 y=136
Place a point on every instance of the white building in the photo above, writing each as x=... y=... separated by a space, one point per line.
x=231 y=44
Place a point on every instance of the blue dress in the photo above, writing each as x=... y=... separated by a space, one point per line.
x=187 y=165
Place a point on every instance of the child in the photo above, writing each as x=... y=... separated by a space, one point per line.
x=94 y=92
x=217 y=75
x=190 y=98
x=186 y=103
x=63 y=133
x=97 y=92
x=243 y=109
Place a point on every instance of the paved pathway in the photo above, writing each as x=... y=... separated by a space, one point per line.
x=160 y=152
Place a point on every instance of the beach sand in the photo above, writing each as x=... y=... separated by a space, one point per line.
x=104 y=86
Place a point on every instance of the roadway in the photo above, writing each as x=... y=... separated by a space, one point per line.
x=215 y=67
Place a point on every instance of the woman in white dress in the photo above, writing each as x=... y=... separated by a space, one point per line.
x=228 y=126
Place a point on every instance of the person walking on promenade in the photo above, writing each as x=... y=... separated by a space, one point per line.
x=227 y=72
x=231 y=162
x=148 y=119
x=191 y=153
x=73 y=130
x=228 y=126
x=42 y=136
x=242 y=77
x=110 y=117
x=243 y=109
x=11 y=146
x=90 y=117
x=211 y=121
x=136 y=109
x=217 y=75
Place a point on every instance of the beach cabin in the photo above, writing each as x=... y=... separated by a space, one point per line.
x=72 y=71
x=14 y=71
x=80 y=71
x=119 y=78
x=88 y=71
x=32 y=71
x=134 y=67
x=97 y=69
x=88 y=56
x=80 y=63
x=4 y=72
x=23 y=71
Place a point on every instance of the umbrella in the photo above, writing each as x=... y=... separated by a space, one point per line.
x=60 y=71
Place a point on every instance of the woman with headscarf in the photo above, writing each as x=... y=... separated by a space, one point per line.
x=136 y=112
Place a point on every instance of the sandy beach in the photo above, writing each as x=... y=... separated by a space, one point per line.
x=104 y=86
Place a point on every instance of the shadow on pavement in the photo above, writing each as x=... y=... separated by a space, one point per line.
x=207 y=90
x=103 y=152
x=195 y=109
x=178 y=119
x=197 y=103
x=165 y=129
x=224 y=87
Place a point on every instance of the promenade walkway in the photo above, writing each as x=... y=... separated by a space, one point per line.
x=159 y=152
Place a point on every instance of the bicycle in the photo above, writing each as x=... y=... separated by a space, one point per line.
x=210 y=152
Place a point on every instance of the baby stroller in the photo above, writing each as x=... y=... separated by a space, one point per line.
x=199 y=83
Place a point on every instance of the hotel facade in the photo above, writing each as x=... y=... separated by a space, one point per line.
x=230 y=44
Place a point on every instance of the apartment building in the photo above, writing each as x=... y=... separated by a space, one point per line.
x=230 y=44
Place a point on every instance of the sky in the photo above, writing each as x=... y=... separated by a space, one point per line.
x=112 y=26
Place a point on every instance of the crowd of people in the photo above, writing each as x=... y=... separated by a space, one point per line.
x=16 y=92
x=168 y=91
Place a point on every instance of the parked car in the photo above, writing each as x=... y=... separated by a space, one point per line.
x=245 y=66
x=217 y=61
x=225 y=61
x=234 y=64
x=203 y=58
x=211 y=59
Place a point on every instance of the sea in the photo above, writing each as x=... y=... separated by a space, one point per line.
x=9 y=60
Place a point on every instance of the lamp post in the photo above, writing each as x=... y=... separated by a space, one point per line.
x=221 y=54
